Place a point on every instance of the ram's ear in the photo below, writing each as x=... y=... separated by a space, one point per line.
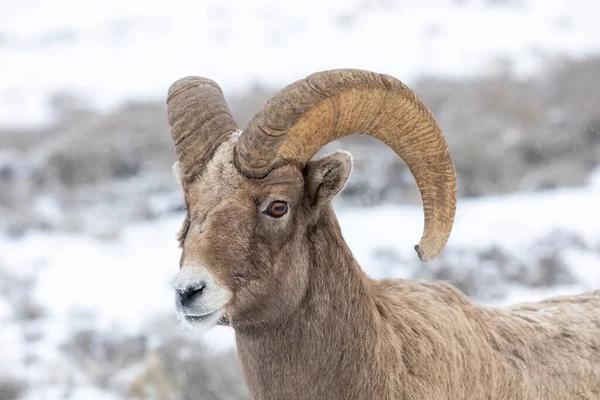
x=327 y=176
x=178 y=174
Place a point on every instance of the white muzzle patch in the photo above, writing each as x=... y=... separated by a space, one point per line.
x=199 y=299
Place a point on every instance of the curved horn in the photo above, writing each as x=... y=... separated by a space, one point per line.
x=306 y=115
x=200 y=120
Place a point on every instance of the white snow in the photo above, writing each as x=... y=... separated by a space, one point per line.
x=236 y=135
x=108 y=51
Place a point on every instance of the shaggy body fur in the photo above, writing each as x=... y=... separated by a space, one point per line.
x=357 y=338
x=310 y=324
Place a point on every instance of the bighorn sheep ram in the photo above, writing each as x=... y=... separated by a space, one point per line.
x=262 y=251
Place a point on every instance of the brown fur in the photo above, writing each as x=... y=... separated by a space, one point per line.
x=310 y=324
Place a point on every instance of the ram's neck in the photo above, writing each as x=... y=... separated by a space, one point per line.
x=332 y=331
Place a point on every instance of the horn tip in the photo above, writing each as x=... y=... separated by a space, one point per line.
x=423 y=254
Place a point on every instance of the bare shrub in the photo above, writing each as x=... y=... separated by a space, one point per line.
x=104 y=147
x=19 y=293
x=487 y=273
x=245 y=105
x=165 y=364
x=11 y=388
x=101 y=355
x=194 y=373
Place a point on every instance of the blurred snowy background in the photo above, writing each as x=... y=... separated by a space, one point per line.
x=89 y=210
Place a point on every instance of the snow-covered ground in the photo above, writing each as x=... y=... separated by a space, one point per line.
x=107 y=51
x=123 y=283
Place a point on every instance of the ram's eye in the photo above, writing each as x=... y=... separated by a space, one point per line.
x=277 y=209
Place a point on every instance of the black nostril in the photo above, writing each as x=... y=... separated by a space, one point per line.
x=190 y=293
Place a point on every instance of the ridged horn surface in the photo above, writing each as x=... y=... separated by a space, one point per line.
x=200 y=120
x=306 y=115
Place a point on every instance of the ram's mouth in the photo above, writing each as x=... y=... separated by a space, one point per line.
x=199 y=318
x=207 y=320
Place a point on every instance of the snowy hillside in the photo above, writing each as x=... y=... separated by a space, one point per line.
x=104 y=52
x=121 y=285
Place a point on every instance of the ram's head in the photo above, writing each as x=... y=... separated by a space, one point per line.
x=255 y=199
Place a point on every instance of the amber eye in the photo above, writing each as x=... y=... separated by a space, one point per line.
x=277 y=209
